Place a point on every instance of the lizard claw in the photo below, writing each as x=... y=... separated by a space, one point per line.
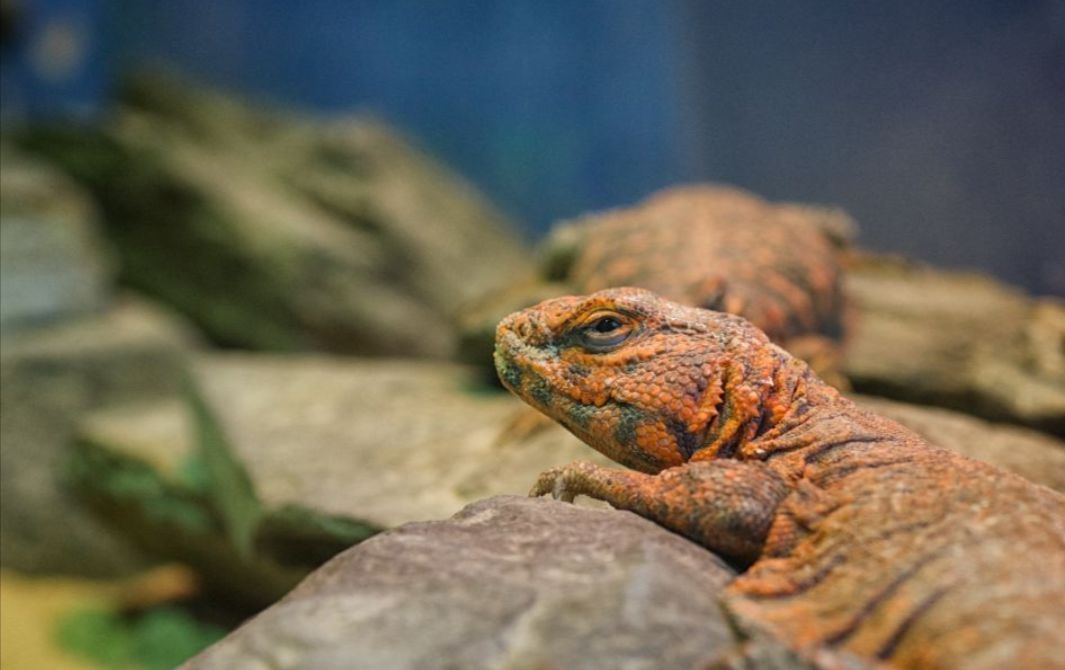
x=549 y=481
x=563 y=483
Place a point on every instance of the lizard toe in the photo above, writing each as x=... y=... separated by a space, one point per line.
x=546 y=483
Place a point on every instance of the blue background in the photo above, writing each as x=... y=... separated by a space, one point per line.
x=940 y=125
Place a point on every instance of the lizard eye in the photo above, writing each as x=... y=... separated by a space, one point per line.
x=604 y=333
x=606 y=324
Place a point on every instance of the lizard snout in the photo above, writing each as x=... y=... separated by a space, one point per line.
x=516 y=344
x=523 y=326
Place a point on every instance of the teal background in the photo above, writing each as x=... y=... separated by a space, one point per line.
x=939 y=125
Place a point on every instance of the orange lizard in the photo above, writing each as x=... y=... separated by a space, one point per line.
x=777 y=265
x=852 y=532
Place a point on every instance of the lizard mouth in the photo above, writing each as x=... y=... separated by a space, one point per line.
x=518 y=365
x=513 y=350
x=508 y=369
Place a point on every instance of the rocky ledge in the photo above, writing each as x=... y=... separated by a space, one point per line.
x=507 y=583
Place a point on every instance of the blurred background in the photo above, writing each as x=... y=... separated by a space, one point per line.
x=940 y=126
x=245 y=244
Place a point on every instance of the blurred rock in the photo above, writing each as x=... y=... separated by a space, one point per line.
x=151 y=470
x=52 y=264
x=49 y=377
x=280 y=232
x=284 y=461
x=384 y=442
x=957 y=340
x=139 y=467
x=507 y=583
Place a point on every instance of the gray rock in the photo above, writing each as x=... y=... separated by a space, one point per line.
x=513 y=583
x=52 y=263
x=285 y=233
x=957 y=340
x=49 y=377
x=507 y=583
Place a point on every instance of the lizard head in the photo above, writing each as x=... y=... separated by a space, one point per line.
x=647 y=382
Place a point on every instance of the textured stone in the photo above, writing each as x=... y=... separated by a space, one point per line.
x=507 y=583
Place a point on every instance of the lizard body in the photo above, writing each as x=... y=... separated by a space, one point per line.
x=724 y=249
x=855 y=533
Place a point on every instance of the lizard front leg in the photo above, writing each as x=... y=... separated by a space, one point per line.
x=726 y=506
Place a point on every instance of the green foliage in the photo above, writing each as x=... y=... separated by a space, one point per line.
x=94 y=470
x=229 y=485
x=193 y=474
x=158 y=639
x=97 y=636
x=166 y=637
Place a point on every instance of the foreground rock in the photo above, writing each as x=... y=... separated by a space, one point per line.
x=49 y=378
x=957 y=340
x=508 y=583
x=278 y=232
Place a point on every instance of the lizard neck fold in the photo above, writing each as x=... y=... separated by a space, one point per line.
x=761 y=403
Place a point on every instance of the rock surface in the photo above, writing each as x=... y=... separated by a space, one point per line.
x=279 y=232
x=284 y=460
x=49 y=377
x=387 y=442
x=957 y=340
x=140 y=467
x=507 y=583
x=53 y=266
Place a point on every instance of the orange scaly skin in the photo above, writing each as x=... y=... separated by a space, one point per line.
x=855 y=533
x=727 y=250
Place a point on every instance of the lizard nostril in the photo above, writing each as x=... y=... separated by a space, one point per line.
x=523 y=328
x=515 y=325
